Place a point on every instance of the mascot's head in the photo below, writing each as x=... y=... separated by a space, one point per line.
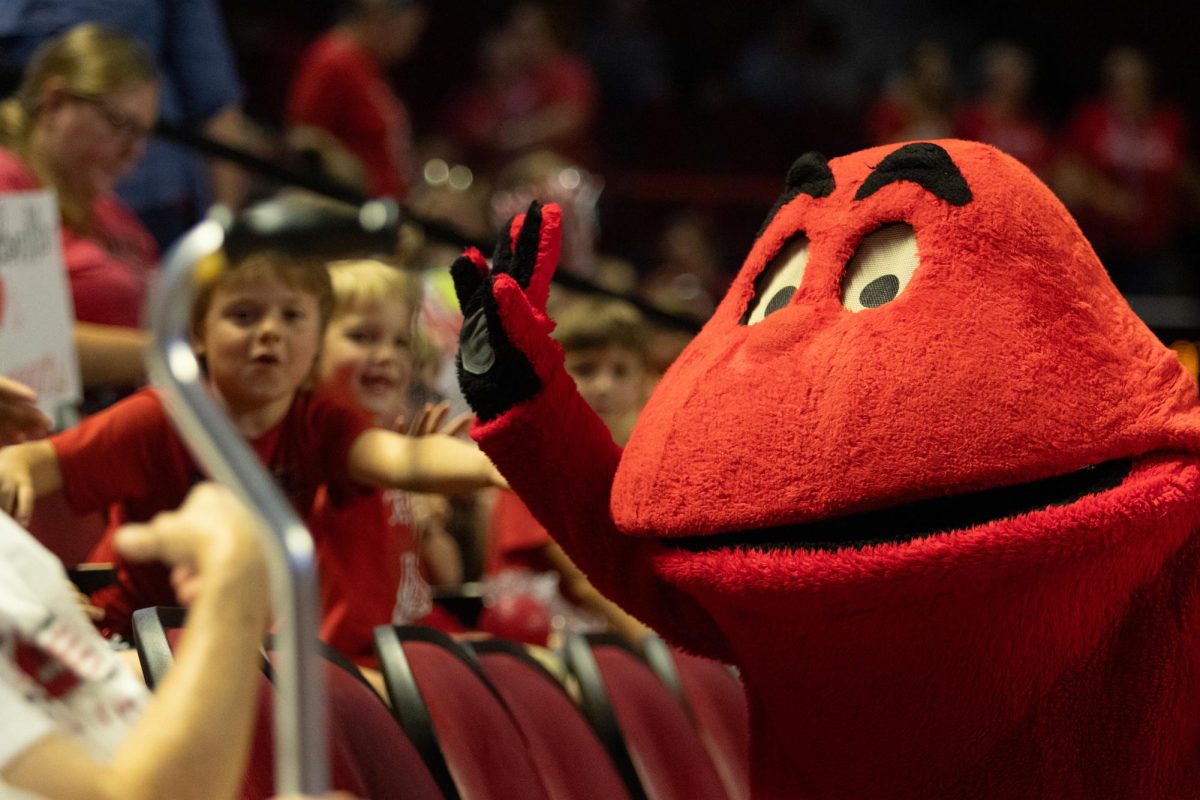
x=920 y=344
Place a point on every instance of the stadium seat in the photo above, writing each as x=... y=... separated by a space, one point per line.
x=369 y=754
x=639 y=719
x=156 y=632
x=386 y=761
x=457 y=720
x=569 y=757
x=716 y=702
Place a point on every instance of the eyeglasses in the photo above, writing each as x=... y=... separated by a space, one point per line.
x=120 y=122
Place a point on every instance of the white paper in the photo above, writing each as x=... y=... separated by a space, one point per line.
x=36 y=315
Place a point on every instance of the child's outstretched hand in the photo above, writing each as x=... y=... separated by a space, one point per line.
x=432 y=419
x=505 y=351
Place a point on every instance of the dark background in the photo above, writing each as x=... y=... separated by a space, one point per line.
x=733 y=155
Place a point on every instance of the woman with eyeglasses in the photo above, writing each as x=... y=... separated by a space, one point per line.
x=78 y=122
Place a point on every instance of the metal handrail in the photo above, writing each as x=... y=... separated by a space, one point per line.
x=301 y=765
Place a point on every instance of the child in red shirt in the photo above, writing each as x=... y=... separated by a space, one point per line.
x=368 y=545
x=258 y=329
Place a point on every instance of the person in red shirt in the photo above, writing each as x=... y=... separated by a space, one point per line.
x=341 y=88
x=1122 y=174
x=373 y=576
x=535 y=95
x=1001 y=115
x=78 y=122
x=918 y=103
x=258 y=331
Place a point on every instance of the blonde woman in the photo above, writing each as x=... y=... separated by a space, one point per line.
x=78 y=122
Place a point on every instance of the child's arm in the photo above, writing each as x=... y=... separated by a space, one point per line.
x=434 y=463
x=27 y=471
x=578 y=588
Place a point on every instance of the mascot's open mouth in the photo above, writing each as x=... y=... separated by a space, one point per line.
x=901 y=524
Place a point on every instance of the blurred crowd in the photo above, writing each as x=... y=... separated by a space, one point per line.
x=681 y=117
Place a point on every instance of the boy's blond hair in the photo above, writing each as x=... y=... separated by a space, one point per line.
x=307 y=275
x=360 y=282
x=592 y=323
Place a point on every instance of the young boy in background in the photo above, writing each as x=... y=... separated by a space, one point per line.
x=370 y=547
x=258 y=329
x=604 y=348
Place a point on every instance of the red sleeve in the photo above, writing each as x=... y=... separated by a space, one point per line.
x=127 y=453
x=560 y=458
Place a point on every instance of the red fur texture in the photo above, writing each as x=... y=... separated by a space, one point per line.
x=1054 y=654
x=1009 y=357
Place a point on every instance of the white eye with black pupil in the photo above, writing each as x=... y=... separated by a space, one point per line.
x=881 y=267
x=779 y=280
x=780 y=299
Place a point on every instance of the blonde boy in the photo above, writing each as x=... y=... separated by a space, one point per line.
x=258 y=330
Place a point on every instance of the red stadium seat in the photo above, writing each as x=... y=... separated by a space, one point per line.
x=369 y=754
x=458 y=722
x=156 y=632
x=569 y=757
x=716 y=702
x=386 y=761
x=638 y=716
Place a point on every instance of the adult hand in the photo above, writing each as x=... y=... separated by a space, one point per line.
x=211 y=539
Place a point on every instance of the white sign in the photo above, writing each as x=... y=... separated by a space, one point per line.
x=36 y=346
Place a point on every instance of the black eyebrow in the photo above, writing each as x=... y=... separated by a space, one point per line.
x=925 y=164
x=810 y=175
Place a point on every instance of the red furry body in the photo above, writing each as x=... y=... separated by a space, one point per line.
x=763 y=511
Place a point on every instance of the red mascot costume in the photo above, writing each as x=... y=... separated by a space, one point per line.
x=923 y=477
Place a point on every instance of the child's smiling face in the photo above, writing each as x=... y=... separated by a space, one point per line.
x=368 y=346
x=260 y=340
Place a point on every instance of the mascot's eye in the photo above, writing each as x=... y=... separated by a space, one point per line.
x=881 y=268
x=779 y=280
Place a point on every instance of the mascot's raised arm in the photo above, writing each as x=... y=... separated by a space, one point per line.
x=924 y=477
